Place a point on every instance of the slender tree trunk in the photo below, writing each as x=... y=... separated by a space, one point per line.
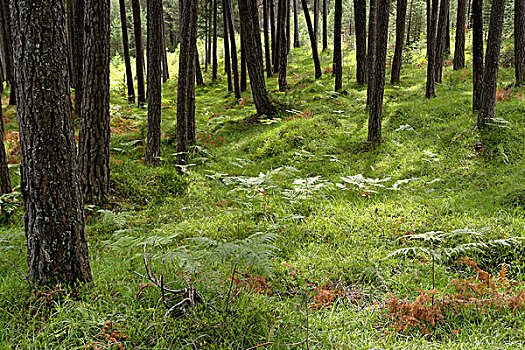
x=125 y=44
x=209 y=33
x=431 y=51
x=273 y=34
x=5 y=179
x=186 y=82
x=214 y=74
x=165 y=67
x=325 y=24
x=459 y=50
x=296 y=35
x=316 y=19
x=490 y=74
x=441 y=39
x=206 y=30
x=288 y=28
x=94 y=130
x=250 y=27
x=227 y=61
x=409 y=29
x=370 y=69
x=233 y=49
x=519 y=40
x=313 y=42
x=477 y=53
x=376 y=105
x=338 y=64
x=77 y=52
x=198 y=71
x=360 y=40
x=400 y=37
x=244 y=82
x=278 y=39
x=7 y=35
x=139 y=52
x=284 y=7
x=267 y=53
x=154 y=82
x=57 y=250
x=447 y=35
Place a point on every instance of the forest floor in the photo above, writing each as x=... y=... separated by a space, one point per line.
x=296 y=232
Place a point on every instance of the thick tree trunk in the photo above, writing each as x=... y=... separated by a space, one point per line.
x=296 y=35
x=77 y=52
x=459 y=50
x=8 y=42
x=370 y=69
x=360 y=40
x=519 y=40
x=125 y=44
x=250 y=27
x=477 y=53
x=284 y=7
x=227 y=61
x=214 y=64
x=401 y=12
x=313 y=42
x=233 y=49
x=186 y=82
x=57 y=250
x=244 y=82
x=490 y=74
x=325 y=24
x=376 y=100
x=441 y=39
x=430 y=91
x=154 y=82
x=267 y=53
x=338 y=63
x=94 y=130
x=5 y=179
x=139 y=52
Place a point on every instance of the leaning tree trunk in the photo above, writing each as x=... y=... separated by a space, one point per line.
x=376 y=100
x=477 y=53
x=8 y=42
x=325 y=24
x=57 y=250
x=296 y=35
x=250 y=27
x=125 y=44
x=338 y=61
x=227 y=61
x=519 y=40
x=459 y=50
x=214 y=64
x=5 y=180
x=400 y=37
x=370 y=69
x=154 y=82
x=430 y=91
x=267 y=53
x=94 y=130
x=441 y=39
x=283 y=44
x=233 y=49
x=360 y=40
x=139 y=53
x=490 y=74
x=186 y=82
x=313 y=41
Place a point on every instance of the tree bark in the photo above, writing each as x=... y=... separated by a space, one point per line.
x=233 y=49
x=77 y=52
x=441 y=39
x=284 y=7
x=325 y=24
x=273 y=34
x=296 y=35
x=250 y=27
x=57 y=250
x=278 y=38
x=370 y=70
x=227 y=61
x=360 y=40
x=198 y=71
x=313 y=41
x=5 y=179
x=139 y=53
x=244 y=82
x=401 y=13
x=8 y=42
x=154 y=82
x=409 y=29
x=459 y=50
x=316 y=20
x=430 y=91
x=94 y=130
x=376 y=105
x=490 y=74
x=477 y=53
x=125 y=44
x=519 y=40
x=214 y=74
x=165 y=67
x=267 y=53
x=338 y=64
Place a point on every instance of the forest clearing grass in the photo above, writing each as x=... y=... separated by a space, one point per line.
x=274 y=227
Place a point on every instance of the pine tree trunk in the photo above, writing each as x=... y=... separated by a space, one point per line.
x=5 y=179
x=370 y=70
x=490 y=74
x=250 y=27
x=459 y=50
x=165 y=67
x=338 y=64
x=77 y=52
x=125 y=44
x=278 y=38
x=233 y=49
x=283 y=44
x=267 y=53
x=57 y=250
x=519 y=40
x=209 y=34
x=206 y=30
x=325 y=24
x=244 y=82
x=477 y=53
x=94 y=130
x=441 y=39
x=430 y=91
x=316 y=20
x=401 y=13
x=360 y=40
x=198 y=71
x=447 y=35
x=296 y=35
x=227 y=60
x=409 y=29
x=273 y=34
x=313 y=42
x=288 y=28
x=8 y=43
x=186 y=82
x=215 y=65
x=376 y=100
x=139 y=53
x=154 y=82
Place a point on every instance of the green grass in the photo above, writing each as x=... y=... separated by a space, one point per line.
x=264 y=200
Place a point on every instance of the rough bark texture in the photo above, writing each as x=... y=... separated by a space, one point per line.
x=243 y=82
x=57 y=248
x=490 y=74
x=325 y=24
x=77 y=52
x=267 y=52
x=313 y=42
x=139 y=53
x=370 y=70
x=227 y=61
x=519 y=40
x=283 y=44
x=477 y=53
x=441 y=39
x=186 y=82
x=250 y=27
x=430 y=91
x=5 y=180
x=360 y=40
x=401 y=13
x=338 y=64
x=376 y=100
x=125 y=44
x=296 y=35
x=8 y=43
x=214 y=64
x=94 y=131
x=154 y=82
x=459 y=50
x=233 y=48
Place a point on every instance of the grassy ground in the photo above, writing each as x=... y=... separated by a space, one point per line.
x=287 y=244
